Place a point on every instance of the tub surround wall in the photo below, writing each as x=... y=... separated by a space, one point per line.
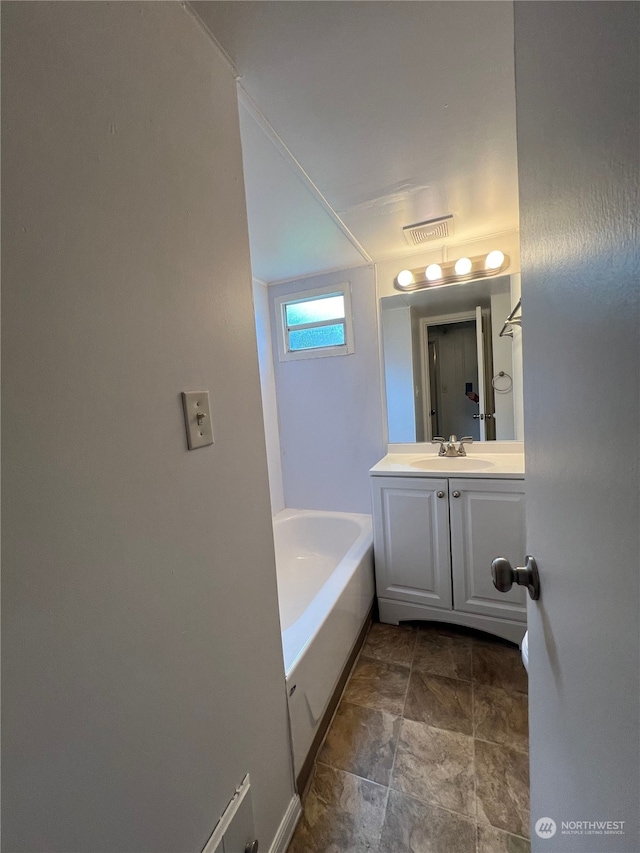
x=268 y=390
x=129 y=563
x=329 y=409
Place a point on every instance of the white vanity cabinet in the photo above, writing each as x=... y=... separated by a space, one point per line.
x=411 y=540
x=434 y=540
x=487 y=521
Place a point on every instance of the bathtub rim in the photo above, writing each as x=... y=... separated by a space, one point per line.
x=294 y=644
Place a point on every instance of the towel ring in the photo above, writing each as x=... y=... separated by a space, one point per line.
x=508 y=383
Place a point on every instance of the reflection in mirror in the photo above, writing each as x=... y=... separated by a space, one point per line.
x=447 y=369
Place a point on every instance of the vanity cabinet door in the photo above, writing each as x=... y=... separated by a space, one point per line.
x=411 y=540
x=487 y=521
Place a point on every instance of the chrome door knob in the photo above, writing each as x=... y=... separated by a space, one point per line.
x=440 y=494
x=504 y=576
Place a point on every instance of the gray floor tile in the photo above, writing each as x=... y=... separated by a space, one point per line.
x=379 y=685
x=362 y=741
x=391 y=643
x=435 y=766
x=502 y=787
x=342 y=814
x=440 y=655
x=491 y=840
x=414 y=827
x=439 y=701
x=499 y=666
x=501 y=716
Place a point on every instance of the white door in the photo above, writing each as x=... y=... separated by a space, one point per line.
x=577 y=73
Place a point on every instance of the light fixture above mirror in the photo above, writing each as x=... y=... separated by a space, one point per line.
x=461 y=269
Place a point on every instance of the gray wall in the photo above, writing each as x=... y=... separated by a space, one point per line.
x=330 y=408
x=142 y=663
x=577 y=87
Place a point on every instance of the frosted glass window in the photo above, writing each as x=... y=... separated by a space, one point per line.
x=320 y=336
x=315 y=310
x=315 y=323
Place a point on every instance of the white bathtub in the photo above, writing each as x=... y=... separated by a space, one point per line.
x=325 y=587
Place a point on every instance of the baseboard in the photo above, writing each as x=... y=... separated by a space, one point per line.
x=287 y=826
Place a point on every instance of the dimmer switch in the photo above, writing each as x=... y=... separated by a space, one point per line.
x=197 y=418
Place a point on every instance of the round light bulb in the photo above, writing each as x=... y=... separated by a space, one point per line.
x=433 y=272
x=463 y=266
x=494 y=260
x=405 y=278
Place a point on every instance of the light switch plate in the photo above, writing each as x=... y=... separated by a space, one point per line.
x=197 y=418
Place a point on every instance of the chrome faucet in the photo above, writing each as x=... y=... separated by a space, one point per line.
x=450 y=449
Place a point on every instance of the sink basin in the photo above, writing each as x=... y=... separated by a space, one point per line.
x=451 y=463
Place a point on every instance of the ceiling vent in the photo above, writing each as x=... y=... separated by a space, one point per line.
x=432 y=229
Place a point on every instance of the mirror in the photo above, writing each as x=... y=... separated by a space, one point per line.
x=447 y=369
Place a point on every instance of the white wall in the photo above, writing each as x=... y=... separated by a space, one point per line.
x=142 y=663
x=398 y=362
x=330 y=409
x=268 y=390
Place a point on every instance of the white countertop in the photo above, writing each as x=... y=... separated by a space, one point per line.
x=497 y=458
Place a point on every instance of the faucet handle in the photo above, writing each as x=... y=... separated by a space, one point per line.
x=439 y=440
x=468 y=439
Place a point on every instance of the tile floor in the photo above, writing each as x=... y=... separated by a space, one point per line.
x=428 y=751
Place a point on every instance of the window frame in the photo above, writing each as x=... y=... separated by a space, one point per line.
x=280 y=304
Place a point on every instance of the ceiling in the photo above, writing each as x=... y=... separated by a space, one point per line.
x=359 y=118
